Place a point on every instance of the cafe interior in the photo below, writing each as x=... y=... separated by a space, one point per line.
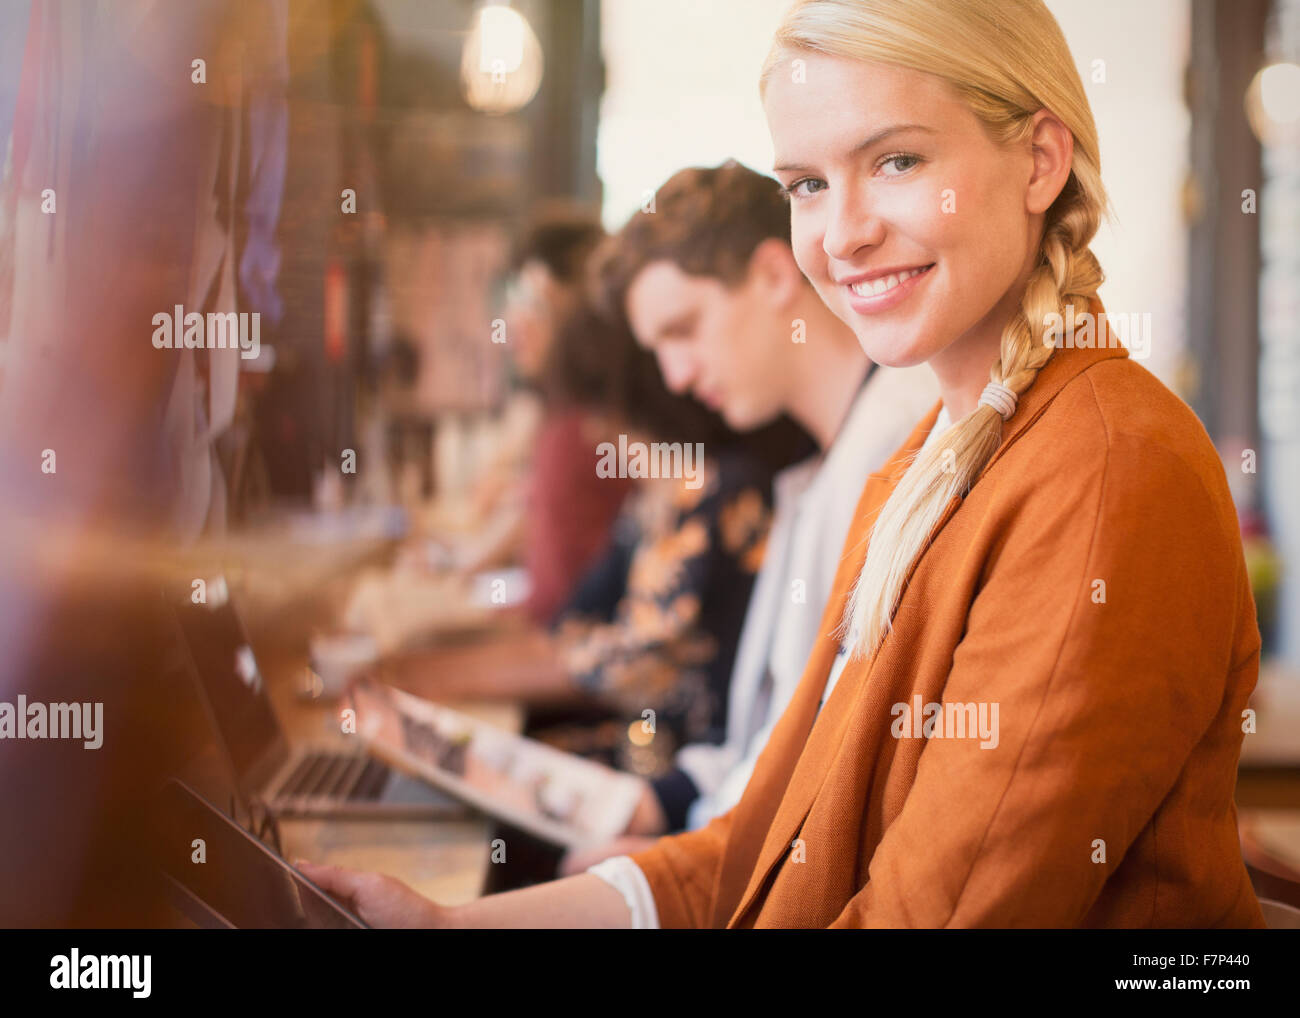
x=291 y=388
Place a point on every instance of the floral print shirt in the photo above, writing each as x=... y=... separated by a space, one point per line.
x=654 y=626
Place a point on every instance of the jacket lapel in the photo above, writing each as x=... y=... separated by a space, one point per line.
x=782 y=793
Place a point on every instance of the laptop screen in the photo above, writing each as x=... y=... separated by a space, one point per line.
x=233 y=687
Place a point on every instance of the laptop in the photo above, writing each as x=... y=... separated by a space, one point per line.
x=288 y=781
x=237 y=882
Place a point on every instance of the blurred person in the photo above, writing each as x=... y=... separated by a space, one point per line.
x=569 y=511
x=653 y=627
x=655 y=622
x=710 y=285
x=541 y=502
x=539 y=290
x=1025 y=709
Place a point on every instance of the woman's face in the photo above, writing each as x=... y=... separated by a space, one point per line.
x=913 y=225
x=535 y=302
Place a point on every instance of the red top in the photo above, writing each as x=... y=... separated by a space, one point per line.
x=569 y=510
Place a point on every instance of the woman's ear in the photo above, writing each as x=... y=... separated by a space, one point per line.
x=1053 y=152
x=773 y=270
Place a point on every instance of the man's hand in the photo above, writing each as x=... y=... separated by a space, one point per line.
x=643 y=830
x=577 y=862
x=378 y=900
x=648 y=818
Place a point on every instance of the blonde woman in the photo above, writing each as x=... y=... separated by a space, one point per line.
x=1026 y=705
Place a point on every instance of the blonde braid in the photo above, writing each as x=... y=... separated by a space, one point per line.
x=1067 y=271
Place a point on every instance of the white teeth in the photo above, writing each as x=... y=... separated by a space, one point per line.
x=883 y=284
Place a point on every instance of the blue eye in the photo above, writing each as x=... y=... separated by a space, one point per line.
x=793 y=190
x=902 y=163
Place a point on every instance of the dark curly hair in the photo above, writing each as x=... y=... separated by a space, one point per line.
x=560 y=237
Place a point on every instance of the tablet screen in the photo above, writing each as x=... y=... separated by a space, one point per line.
x=235 y=875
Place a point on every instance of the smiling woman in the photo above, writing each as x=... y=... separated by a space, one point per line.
x=1051 y=561
x=964 y=211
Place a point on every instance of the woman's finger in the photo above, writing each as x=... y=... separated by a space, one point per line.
x=334 y=880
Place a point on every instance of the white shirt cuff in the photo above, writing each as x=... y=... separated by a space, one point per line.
x=626 y=877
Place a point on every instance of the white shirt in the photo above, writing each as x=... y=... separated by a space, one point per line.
x=813 y=506
x=774 y=616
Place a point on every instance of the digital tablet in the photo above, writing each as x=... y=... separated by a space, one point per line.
x=222 y=876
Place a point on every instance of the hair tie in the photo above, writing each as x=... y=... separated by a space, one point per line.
x=1000 y=398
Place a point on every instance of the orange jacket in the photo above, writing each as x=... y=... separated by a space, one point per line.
x=1091 y=585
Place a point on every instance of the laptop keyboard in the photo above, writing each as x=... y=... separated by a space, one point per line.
x=336 y=777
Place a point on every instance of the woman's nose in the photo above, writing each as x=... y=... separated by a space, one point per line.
x=852 y=224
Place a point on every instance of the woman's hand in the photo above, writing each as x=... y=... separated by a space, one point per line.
x=578 y=903
x=376 y=899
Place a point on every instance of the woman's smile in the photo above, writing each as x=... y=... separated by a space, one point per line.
x=872 y=292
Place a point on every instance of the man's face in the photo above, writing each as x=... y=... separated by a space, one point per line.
x=712 y=341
